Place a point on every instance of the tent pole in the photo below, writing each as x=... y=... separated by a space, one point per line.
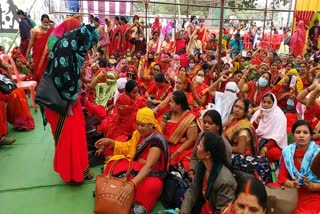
x=220 y=36
x=264 y=19
x=146 y=17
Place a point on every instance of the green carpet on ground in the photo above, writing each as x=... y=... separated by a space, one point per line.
x=28 y=183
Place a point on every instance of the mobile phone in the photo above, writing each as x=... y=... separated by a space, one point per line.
x=293 y=82
x=301 y=181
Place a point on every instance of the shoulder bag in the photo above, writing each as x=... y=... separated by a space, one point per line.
x=49 y=97
x=7 y=85
x=282 y=199
x=107 y=192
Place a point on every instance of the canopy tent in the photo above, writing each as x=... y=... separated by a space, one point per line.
x=100 y=8
x=306 y=10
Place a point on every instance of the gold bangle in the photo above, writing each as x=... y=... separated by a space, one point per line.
x=133 y=184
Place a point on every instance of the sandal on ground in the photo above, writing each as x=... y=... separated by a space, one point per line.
x=21 y=129
x=6 y=141
x=89 y=176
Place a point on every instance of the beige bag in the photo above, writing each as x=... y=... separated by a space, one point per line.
x=108 y=189
x=282 y=200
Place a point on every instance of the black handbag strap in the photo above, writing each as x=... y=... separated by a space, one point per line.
x=164 y=146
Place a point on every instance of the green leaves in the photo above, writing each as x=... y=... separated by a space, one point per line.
x=243 y=4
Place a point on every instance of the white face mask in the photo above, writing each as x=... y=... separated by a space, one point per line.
x=191 y=65
x=45 y=26
x=199 y=79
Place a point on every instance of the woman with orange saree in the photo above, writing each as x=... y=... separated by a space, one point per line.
x=38 y=43
x=179 y=128
x=239 y=131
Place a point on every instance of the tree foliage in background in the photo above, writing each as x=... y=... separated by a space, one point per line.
x=172 y=10
x=243 y=4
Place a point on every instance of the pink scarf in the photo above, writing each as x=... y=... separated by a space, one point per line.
x=299 y=35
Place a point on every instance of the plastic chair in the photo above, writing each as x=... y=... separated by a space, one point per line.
x=266 y=41
x=246 y=42
x=14 y=77
x=26 y=85
x=276 y=41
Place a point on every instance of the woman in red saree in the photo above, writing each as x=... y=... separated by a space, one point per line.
x=125 y=30
x=147 y=76
x=180 y=48
x=167 y=45
x=181 y=84
x=275 y=75
x=17 y=109
x=147 y=149
x=3 y=115
x=239 y=131
x=180 y=129
x=211 y=44
x=254 y=90
x=199 y=92
x=4 y=123
x=158 y=91
x=18 y=112
x=38 y=43
x=156 y=26
x=116 y=38
x=121 y=124
x=154 y=43
x=295 y=169
x=71 y=154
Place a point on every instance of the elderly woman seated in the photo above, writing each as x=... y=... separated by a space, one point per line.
x=148 y=151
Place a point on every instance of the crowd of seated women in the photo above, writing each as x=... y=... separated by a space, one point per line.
x=172 y=96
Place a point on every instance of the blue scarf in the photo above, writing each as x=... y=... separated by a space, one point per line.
x=287 y=157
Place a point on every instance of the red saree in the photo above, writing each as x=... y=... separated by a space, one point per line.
x=117 y=35
x=253 y=95
x=40 y=53
x=308 y=202
x=126 y=37
x=121 y=124
x=71 y=154
x=174 y=132
x=201 y=91
x=149 y=190
x=180 y=45
x=206 y=207
x=3 y=116
x=18 y=112
x=159 y=94
x=145 y=84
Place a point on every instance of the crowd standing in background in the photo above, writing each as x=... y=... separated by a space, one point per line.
x=139 y=94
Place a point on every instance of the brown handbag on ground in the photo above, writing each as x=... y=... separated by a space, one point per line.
x=282 y=199
x=107 y=192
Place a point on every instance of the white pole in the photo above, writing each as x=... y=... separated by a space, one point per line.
x=179 y=12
